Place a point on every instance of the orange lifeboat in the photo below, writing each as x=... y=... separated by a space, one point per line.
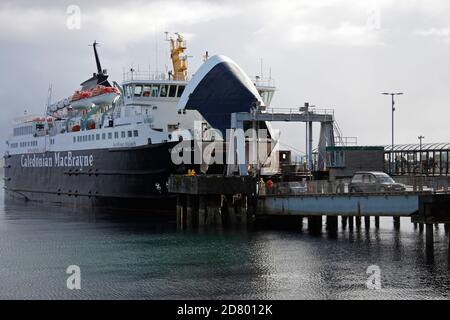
x=80 y=95
x=76 y=128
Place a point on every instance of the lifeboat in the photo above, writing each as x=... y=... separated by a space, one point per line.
x=103 y=96
x=100 y=96
x=80 y=99
x=76 y=128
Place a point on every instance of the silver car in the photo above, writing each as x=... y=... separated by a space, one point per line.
x=374 y=182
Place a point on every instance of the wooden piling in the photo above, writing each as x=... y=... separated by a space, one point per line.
x=189 y=211
x=351 y=221
x=332 y=223
x=201 y=211
x=358 y=222
x=180 y=212
x=344 y=220
x=367 y=222
x=421 y=227
x=377 y=222
x=429 y=240
x=397 y=223
x=446 y=227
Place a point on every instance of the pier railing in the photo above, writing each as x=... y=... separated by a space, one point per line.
x=319 y=187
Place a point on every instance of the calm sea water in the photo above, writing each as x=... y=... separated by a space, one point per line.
x=135 y=257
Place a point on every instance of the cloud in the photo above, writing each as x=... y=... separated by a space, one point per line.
x=120 y=22
x=439 y=33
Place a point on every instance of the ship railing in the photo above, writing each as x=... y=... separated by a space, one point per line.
x=299 y=110
x=263 y=82
x=137 y=75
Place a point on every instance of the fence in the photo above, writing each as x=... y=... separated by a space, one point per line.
x=324 y=187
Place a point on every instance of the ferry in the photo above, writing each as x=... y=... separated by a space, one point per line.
x=109 y=144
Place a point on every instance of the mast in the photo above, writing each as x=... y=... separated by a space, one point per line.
x=179 y=61
x=97 y=59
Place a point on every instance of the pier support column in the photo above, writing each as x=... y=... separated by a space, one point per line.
x=189 y=211
x=201 y=211
x=344 y=220
x=397 y=223
x=429 y=241
x=315 y=224
x=377 y=222
x=415 y=225
x=179 y=212
x=351 y=221
x=332 y=223
x=446 y=227
x=421 y=227
x=231 y=212
x=358 y=222
x=367 y=222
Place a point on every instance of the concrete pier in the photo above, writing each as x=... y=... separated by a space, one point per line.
x=212 y=200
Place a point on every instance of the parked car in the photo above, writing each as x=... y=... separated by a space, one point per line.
x=374 y=182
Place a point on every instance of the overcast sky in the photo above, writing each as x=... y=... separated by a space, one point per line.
x=335 y=54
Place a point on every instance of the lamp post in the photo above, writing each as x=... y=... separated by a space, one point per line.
x=420 y=152
x=393 y=110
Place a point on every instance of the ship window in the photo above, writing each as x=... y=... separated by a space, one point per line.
x=130 y=134
x=164 y=90
x=147 y=91
x=74 y=139
x=116 y=135
x=155 y=90
x=93 y=137
x=123 y=134
x=137 y=91
x=28 y=143
x=78 y=139
x=97 y=136
x=84 y=138
x=180 y=91
x=135 y=133
x=89 y=137
x=103 y=136
x=109 y=135
x=172 y=91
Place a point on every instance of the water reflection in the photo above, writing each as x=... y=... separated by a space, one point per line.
x=138 y=256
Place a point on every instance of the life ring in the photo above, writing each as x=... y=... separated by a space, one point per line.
x=269 y=184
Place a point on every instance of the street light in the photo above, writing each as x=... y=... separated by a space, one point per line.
x=420 y=144
x=393 y=110
x=420 y=151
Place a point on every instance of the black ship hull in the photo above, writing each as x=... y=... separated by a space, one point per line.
x=123 y=178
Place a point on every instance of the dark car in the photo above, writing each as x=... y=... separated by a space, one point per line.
x=374 y=182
